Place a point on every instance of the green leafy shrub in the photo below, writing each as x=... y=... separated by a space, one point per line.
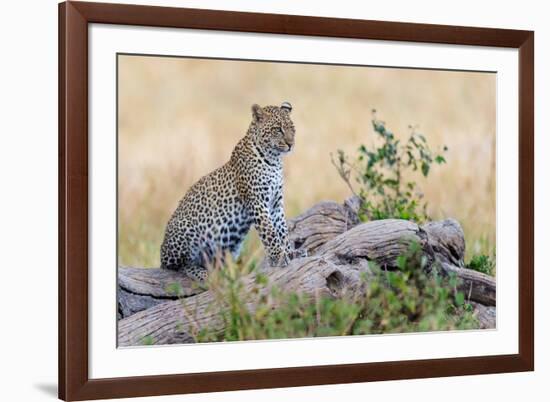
x=483 y=263
x=414 y=299
x=408 y=299
x=379 y=171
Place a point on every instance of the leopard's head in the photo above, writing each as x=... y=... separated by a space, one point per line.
x=272 y=128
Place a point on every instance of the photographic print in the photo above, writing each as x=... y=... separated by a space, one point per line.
x=272 y=200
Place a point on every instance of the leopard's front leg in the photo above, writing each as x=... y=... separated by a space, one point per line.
x=279 y=221
x=276 y=246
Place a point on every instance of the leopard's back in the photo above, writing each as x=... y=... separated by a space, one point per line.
x=211 y=218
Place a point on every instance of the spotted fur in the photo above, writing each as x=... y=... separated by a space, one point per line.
x=218 y=211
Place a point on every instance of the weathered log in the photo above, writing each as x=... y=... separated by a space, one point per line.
x=175 y=319
x=338 y=251
x=321 y=223
x=476 y=286
x=486 y=315
x=140 y=289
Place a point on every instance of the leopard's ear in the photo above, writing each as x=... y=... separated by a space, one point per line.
x=257 y=113
x=286 y=106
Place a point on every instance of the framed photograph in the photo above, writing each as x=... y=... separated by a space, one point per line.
x=259 y=200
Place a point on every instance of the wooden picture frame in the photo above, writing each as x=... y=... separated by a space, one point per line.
x=74 y=381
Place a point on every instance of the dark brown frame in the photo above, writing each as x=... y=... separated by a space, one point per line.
x=74 y=17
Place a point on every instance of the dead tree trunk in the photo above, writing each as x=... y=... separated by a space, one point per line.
x=338 y=250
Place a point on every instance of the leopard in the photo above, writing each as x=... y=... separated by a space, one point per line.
x=218 y=211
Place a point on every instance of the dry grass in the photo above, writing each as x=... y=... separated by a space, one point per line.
x=180 y=118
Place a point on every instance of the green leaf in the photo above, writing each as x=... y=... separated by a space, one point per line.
x=261 y=279
x=425 y=169
x=459 y=298
x=174 y=288
x=406 y=215
x=401 y=262
x=147 y=340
